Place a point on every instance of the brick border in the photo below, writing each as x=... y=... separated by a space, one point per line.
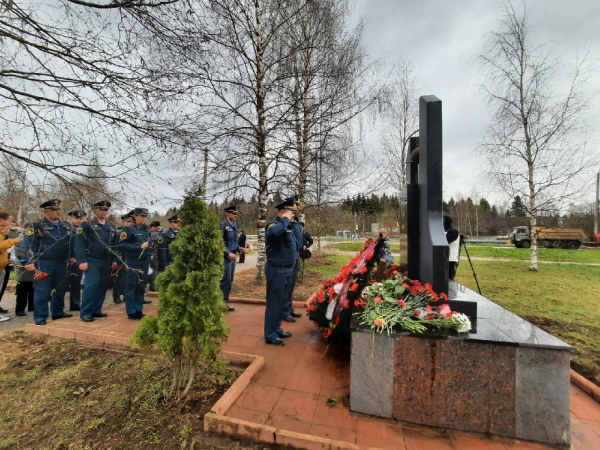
x=585 y=385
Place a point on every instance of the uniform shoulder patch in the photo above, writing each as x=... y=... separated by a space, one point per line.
x=271 y=225
x=160 y=240
x=29 y=232
x=123 y=235
x=79 y=230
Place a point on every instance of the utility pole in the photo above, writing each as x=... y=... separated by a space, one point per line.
x=597 y=201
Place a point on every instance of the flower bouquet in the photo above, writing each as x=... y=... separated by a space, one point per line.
x=403 y=304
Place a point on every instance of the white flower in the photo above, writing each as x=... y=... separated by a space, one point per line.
x=465 y=323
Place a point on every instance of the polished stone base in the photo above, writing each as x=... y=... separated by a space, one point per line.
x=505 y=383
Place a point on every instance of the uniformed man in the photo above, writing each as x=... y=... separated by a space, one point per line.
x=280 y=243
x=289 y=313
x=230 y=237
x=156 y=231
x=118 y=266
x=94 y=246
x=164 y=241
x=75 y=273
x=134 y=243
x=47 y=248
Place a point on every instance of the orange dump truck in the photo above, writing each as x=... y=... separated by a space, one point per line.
x=571 y=238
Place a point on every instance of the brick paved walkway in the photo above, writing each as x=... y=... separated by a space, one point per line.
x=291 y=389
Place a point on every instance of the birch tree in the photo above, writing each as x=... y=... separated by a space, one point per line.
x=536 y=144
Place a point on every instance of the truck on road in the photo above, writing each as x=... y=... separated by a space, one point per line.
x=550 y=237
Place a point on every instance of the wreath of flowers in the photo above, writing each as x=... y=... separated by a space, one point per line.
x=395 y=302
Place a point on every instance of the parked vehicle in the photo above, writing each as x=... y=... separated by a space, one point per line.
x=550 y=237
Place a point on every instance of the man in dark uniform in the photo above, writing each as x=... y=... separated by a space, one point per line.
x=281 y=247
x=242 y=246
x=75 y=273
x=47 y=248
x=134 y=243
x=288 y=310
x=164 y=256
x=230 y=237
x=156 y=231
x=118 y=268
x=94 y=247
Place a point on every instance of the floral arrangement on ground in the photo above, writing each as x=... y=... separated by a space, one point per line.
x=382 y=298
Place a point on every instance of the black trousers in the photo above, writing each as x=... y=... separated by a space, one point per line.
x=118 y=285
x=7 y=271
x=451 y=269
x=24 y=296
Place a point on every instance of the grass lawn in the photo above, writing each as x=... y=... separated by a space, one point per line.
x=562 y=299
x=59 y=394
x=524 y=254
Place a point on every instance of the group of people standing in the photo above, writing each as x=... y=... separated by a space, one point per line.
x=56 y=254
x=286 y=240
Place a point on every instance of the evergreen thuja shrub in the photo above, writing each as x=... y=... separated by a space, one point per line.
x=191 y=314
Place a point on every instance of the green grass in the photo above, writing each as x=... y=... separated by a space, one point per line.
x=562 y=299
x=544 y=254
x=356 y=246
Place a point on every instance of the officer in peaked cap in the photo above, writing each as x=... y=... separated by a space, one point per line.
x=75 y=274
x=134 y=243
x=47 y=248
x=118 y=269
x=280 y=244
x=164 y=255
x=289 y=314
x=94 y=250
x=230 y=237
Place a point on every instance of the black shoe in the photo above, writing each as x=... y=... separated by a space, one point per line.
x=141 y=315
x=277 y=341
x=286 y=334
x=134 y=316
x=87 y=319
x=74 y=308
x=41 y=322
x=117 y=301
x=3 y=311
x=64 y=316
x=295 y=314
x=147 y=302
x=100 y=314
x=289 y=319
x=20 y=313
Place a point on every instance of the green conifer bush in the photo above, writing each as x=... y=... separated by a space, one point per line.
x=191 y=313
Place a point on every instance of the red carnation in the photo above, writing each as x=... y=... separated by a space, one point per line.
x=444 y=297
x=369 y=256
x=337 y=321
x=40 y=275
x=378 y=299
x=416 y=312
x=363 y=270
x=354 y=287
x=402 y=303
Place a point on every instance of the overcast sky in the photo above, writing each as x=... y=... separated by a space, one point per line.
x=442 y=38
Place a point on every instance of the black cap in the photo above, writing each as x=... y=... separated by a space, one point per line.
x=173 y=218
x=53 y=204
x=103 y=205
x=293 y=198
x=127 y=217
x=77 y=214
x=231 y=209
x=140 y=212
x=156 y=223
x=288 y=203
x=130 y=213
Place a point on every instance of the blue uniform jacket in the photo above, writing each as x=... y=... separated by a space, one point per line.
x=46 y=240
x=95 y=241
x=130 y=244
x=164 y=255
x=280 y=243
x=297 y=229
x=230 y=237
